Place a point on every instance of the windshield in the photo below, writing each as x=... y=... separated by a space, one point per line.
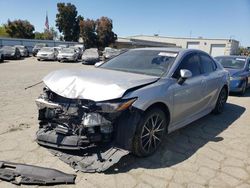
x=8 y=48
x=150 y=62
x=47 y=49
x=232 y=62
x=68 y=50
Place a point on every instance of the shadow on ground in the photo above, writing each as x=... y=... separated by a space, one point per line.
x=182 y=144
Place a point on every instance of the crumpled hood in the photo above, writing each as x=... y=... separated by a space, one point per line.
x=95 y=84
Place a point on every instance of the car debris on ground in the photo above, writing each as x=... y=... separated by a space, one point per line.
x=17 y=173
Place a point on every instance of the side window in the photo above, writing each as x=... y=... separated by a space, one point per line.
x=207 y=64
x=190 y=62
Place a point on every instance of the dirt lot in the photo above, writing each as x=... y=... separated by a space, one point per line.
x=211 y=152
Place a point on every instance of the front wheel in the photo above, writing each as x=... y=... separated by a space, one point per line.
x=244 y=87
x=150 y=132
x=221 y=101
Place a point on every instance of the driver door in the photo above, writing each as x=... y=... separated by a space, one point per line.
x=188 y=97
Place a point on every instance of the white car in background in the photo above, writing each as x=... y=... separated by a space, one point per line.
x=80 y=46
x=47 y=53
x=59 y=48
x=67 y=54
x=78 y=50
x=23 y=50
x=90 y=56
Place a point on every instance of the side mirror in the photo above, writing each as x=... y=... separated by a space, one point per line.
x=185 y=74
x=98 y=64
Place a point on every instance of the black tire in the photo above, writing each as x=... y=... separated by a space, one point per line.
x=221 y=101
x=148 y=137
x=2 y=58
x=244 y=88
x=38 y=59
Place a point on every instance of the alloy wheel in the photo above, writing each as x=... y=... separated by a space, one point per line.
x=152 y=132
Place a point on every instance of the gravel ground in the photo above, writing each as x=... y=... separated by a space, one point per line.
x=211 y=152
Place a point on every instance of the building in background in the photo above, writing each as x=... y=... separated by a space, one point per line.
x=215 y=47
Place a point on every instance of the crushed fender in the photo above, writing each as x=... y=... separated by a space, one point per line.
x=33 y=175
x=91 y=159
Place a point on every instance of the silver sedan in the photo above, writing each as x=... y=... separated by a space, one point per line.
x=131 y=100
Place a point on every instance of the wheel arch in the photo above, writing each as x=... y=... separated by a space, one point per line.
x=164 y=108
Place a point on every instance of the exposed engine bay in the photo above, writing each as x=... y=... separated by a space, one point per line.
x=79 y=124
x=75 y=124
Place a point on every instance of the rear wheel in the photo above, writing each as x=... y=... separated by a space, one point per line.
x=150 y=132
x=1 y=58
x=221 y=101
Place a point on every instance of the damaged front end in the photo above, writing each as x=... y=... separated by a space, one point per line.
x=80 y=124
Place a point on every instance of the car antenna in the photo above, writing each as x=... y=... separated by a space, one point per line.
x=33 y=85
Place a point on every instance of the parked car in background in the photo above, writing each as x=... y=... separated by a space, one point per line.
x=131 y=100
x=47 y=53
x=38 y=47
x=90 y=56
x=59 y=48
x=238 y=67
x=23 y=50
x=67 y=54
x=63 y=45
x=80 y=46
x=1 y=56
x=11 y=52
x=78 y=50
x=109 y=53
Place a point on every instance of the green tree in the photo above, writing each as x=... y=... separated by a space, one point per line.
x=87 y=33
x=50 y=34
x=39 y=36
x=3 y=32
x=244 y=51
x=105 y=35
x=67 y=21
x=20 y=29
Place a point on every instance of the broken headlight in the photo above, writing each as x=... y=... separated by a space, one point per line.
x=115 y=106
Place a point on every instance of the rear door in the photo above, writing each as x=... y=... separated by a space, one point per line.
x=212 y=77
